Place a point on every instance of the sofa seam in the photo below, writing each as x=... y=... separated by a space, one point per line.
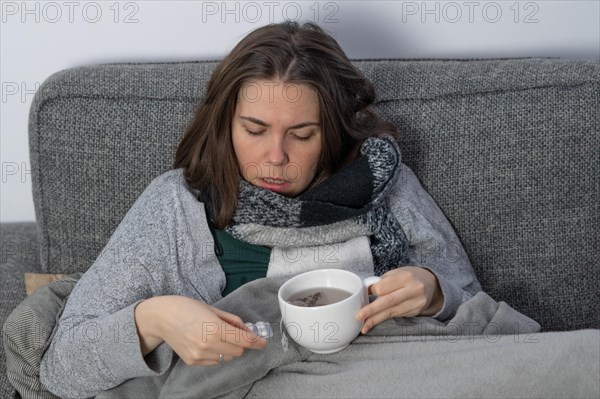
x=361 y=59
x=483 y=92
x=128 y=97
x=44 y=241
x=196 y=100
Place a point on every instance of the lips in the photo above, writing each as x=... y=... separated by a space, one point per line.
x=273 y=180
x=274 y=184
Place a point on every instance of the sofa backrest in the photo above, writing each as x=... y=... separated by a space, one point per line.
x=509 y=148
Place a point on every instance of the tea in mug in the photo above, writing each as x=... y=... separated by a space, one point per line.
x=318 y=297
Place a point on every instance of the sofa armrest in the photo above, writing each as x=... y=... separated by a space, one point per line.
x=19 y=253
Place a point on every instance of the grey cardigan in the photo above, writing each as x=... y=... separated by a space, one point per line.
x=163 y=246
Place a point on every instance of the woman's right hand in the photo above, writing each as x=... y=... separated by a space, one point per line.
x=199 y=333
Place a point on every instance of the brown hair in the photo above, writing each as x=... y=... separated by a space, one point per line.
x=292 y=53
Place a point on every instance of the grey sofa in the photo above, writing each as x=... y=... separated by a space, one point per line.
x=509 y=148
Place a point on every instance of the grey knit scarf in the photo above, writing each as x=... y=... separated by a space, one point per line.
x=349 y=204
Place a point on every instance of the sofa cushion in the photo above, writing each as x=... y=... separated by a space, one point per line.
x=505 y=146
x=98 y=136
x=511 y=156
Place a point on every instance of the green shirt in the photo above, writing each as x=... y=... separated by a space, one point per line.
x=242 y=262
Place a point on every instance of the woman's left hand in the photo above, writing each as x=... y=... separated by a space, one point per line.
x=405 y=291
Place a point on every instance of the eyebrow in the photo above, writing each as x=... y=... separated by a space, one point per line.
x=259 y=122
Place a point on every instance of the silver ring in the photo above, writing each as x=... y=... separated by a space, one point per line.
x=221 y=358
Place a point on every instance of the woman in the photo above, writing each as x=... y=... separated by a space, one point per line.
x=283 y=155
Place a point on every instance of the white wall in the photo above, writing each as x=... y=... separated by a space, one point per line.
x=39 y=38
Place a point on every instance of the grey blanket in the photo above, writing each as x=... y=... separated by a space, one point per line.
x=487 y=350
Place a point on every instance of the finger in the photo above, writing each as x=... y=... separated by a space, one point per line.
x=405 y=309
x=228 y=349
x=243 y=337
x=379 y=288
x=391 y=272
x=230 y=318
x=381 y=303
x=389 y=282
x=234 y=320
x=213 y=362
x=211 y=355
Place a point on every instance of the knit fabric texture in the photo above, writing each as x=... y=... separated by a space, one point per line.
x=355 y=195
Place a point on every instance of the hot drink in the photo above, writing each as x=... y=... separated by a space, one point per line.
x=319 y=328
x=318 y=297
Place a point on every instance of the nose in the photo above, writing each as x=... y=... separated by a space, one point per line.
x=277 y=154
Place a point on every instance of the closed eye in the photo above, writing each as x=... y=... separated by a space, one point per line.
x=301 y=138
x=303 y=135
x=253 y=132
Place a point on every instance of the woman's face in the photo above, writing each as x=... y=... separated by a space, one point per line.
x=277 y=136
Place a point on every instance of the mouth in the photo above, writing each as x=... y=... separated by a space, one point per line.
x=273 y=180
x=273 y=184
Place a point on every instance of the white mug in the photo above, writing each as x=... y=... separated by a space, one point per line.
x=328 y=328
